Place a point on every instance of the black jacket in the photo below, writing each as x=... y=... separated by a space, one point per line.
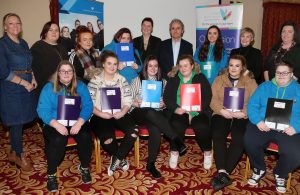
x=152 y=49
x=254 y=60
x=170 y=93
x=166 y=54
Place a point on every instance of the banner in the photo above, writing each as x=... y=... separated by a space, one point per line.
x=83 y=12
x=228 y=18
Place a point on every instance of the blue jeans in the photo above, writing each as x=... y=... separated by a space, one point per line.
x=15 y=135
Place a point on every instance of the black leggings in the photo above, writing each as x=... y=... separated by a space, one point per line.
x=200 y=125
x=55 y=146
x=105 y=130
x=156 y=123
x=228 y=157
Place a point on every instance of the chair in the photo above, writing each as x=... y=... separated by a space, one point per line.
x=274 y=148
x=119 y=135
x=72 y=142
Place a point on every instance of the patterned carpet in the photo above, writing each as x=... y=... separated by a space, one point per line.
x=190 y=177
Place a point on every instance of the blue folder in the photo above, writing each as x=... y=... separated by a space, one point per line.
x=125 y=53
x=151 y=93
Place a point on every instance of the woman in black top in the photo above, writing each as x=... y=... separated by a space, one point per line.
x=46 y=55
x=147 y=44
x=287 y=50
x=253 y=56
x=181 y=119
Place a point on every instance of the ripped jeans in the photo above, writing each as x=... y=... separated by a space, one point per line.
x=105 y=130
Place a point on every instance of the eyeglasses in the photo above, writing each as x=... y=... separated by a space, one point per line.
x=282 y=73
x=64 y=72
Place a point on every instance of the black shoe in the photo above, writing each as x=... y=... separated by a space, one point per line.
x=181 y=148
x=85 y=174
x=124 y=164
x=220 y=181
x=52 y=185
x=152 y=169
x=114 y=164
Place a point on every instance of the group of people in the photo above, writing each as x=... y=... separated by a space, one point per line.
x=68 y=39
x=32 y=79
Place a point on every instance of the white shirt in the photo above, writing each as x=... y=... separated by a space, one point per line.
x=175 y=48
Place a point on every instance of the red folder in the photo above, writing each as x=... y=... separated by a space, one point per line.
x=190 y=97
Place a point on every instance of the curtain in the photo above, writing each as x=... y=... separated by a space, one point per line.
x=274 y=15
x=54 y=10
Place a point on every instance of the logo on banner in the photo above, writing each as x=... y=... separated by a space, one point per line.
x=224 y=14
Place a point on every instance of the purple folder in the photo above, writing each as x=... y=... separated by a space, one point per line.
x=68 y=109
x=234 y=98
x=110 y=99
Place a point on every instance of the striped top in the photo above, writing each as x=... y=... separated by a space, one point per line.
x=136 y=88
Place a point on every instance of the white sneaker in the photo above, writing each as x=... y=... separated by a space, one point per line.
x=174 y=155
x=280 y=184
x=256 y=176
x=207 y=162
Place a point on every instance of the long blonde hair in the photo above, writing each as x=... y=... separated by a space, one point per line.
x=71 y=89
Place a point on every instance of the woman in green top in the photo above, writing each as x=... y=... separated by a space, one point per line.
x=181 y=119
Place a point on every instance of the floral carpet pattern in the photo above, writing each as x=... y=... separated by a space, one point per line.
x=190 y=178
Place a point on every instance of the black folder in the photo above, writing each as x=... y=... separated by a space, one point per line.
x=278 y=113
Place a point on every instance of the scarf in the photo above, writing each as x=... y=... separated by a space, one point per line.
x=90 y=68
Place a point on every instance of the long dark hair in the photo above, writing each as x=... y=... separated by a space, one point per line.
x=218 y=49
x=144 y=73
x=120 y=33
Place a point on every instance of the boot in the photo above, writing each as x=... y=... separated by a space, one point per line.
x=23 y=163
x=11 y=156
x=181 y=148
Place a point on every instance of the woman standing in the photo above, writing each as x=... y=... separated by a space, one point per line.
x=85 y=57
x=211 y=56
x=252 y=55
x=103 y=123
x=147 y=44
x=226 y=122
x=182 y=119
x=156 y=120
x=129 y=72
x=286 y=50
x=47 y=53
x=56 y=134
x=17 y=83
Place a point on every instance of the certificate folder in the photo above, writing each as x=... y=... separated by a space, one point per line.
x=151 y=93
x=209 y=69
x=190 y=97
x=234 y=98
x=278 y=113
x=125 y=53
x=110 y=99
x=68 y=109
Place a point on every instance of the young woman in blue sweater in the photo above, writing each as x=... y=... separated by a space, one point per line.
x=129 y=72
x=259 y=135
x=55 y=134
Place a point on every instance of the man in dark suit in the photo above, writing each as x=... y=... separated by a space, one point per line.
x=171 y=49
